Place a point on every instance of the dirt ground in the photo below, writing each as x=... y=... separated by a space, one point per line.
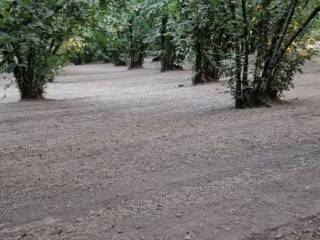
x=142 y=155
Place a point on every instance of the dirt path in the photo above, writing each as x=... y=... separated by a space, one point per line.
x=131 y=155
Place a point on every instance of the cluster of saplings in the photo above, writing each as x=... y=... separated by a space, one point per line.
x=259 y=45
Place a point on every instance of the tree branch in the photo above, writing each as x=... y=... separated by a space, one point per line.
x=313 y=15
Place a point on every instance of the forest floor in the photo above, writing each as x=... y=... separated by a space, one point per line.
x=116 y=154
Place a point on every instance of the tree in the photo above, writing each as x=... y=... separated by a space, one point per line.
x=165 y=14
x=124 y=30
x=259 y=44
x=277 y=30
x=136 y=37
x=205 y=25
x=31 y=34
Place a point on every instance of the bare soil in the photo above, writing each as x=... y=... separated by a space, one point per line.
x=116 y=154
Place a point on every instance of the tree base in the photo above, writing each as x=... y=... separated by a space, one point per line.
x=254 y=99
x=174 y=67
x=120 y=63
x=135 y=66
x=30 y=88
x=156 y=59
x=198 y=80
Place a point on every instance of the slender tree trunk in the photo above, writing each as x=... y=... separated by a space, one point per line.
x=137 y=48
x=132 y=50
x=211 y=69
x=168 y=49
x=239 y=103
x=198 y=78
x=274 y=50
x=164 y=51
x=245 y=72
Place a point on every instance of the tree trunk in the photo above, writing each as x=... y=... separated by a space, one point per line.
x=168 y=51
x=164 y=55
x=198 y=66
x=239 y=96
x=137 y=57
x=211 y=69
x=136 y=50
x=117 y=59
x=29 y=87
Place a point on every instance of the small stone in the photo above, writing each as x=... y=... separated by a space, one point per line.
x=138 y=227
x=188 y=236
x=57 y=231
x=23 y=235
x=279 y=236
x=228 y=229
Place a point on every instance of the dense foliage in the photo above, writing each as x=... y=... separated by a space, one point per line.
x=259 y=45
x=31 y=34
x=274 y=34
